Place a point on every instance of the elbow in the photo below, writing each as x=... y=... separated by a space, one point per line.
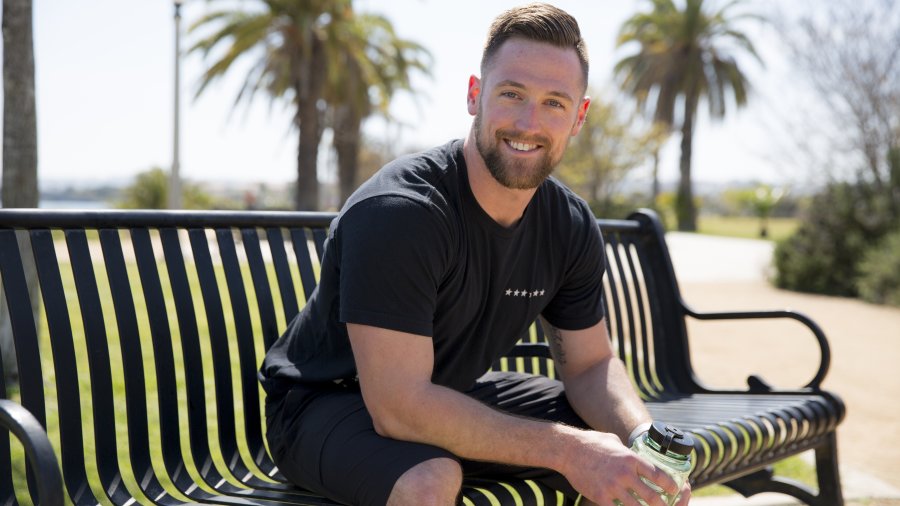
x=388 y=423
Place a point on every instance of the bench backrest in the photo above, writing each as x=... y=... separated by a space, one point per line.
x=152 y=326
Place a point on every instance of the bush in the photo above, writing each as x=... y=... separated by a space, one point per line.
x=842 y=225
x=879 y=270
x=150 y=190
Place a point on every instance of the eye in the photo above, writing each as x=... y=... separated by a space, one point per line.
x=555 y=103
x=509 y=94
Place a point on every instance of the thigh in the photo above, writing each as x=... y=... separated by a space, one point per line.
x=527 y=395
x=324 y=441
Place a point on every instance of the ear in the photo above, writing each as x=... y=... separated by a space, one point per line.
x=582 y=115
x=472 y=95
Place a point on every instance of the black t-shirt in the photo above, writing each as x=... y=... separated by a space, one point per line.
x=413 y=251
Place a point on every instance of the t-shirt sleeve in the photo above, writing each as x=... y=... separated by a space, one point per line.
x=393 y=253
x=578 y=304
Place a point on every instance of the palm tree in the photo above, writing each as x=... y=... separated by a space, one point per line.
x=20 y=182
x=683 y=56
x=375 y=63
x=295 y=45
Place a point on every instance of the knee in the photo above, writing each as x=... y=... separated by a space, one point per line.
x=433 y=482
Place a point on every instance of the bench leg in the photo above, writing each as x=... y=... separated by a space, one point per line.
x=828 y=476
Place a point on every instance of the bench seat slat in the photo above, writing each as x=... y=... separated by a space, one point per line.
x=260 y=286
x=97 y=342
x=244 y=335
x=132 y=364
x=66 y=370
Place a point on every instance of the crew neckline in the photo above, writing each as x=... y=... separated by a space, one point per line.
x=479 y=213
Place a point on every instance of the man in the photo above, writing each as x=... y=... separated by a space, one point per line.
x=377 y=393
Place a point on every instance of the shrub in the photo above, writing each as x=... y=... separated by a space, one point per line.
x=879 y=270
x=842 y=225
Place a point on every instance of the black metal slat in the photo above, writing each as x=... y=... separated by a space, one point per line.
x=240 y=311
x=261 y=286
x=628 y=290
x=153 y=219
x=221 y=358
x=28 y=356
x=304 y=262
x=198 y=435
x=97 y=342
x=163 y=359
x=320 y=235
x=7 y=490
x=660 y=336
x=613 y=296
x=65 y=366
x=646 y=335
x=282 y=273
x=132 y=367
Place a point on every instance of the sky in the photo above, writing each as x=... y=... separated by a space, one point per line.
x=105 y=90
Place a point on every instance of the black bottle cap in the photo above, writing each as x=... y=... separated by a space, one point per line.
x=671 y=439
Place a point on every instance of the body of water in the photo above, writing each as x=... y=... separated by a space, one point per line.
x=73 y=204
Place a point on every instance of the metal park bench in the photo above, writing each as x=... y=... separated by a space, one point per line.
x=143 y=361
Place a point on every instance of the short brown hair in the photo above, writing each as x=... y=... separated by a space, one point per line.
x=538 y=22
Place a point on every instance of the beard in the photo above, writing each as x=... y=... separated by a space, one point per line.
x=513 y=173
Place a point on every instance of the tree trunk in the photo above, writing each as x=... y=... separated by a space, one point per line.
x=655 y=189
x=20 y=188
x=306 y=196
x=309 y=88
x=347 y=140
x=684 y=204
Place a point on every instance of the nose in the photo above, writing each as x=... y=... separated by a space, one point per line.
x=527 y=120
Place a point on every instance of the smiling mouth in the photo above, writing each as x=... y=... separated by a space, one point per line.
x=521 y=146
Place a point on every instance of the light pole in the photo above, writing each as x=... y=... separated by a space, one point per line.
x=174 y=176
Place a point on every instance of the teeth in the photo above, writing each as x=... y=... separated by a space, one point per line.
x=521 y=146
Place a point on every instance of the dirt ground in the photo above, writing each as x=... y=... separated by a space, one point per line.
x=865 y=362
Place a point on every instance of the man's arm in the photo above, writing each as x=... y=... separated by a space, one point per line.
x=597 y=384
x=395 y=377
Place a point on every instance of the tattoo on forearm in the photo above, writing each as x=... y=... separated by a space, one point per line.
x=556 y=343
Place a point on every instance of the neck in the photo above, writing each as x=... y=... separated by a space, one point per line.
x=504 y=205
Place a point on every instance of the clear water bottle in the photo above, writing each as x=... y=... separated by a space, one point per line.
x=669 y=449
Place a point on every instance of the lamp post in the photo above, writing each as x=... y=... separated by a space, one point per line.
x=174 y=176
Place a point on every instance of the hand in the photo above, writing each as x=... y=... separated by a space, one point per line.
x=685 y=495
x=602 y=469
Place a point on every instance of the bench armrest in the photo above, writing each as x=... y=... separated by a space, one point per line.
x=755 y=382
x=18 y=420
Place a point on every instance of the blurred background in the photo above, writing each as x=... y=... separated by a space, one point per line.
x=755 y=119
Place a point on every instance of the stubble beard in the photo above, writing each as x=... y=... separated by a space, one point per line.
x=516 y=174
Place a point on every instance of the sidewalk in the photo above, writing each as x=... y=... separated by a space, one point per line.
x=730 y=274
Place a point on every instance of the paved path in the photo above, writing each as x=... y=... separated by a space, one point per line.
x=730 y=274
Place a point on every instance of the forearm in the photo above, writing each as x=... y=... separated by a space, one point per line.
x=467 y=428
x=603 y=396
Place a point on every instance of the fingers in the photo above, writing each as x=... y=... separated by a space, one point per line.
x=649 y=498
x=685 y=495
x=661 y=479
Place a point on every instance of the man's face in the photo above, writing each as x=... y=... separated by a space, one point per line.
x=527 y=106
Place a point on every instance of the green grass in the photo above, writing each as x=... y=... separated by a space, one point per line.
x=795 y=468
x=746 y=227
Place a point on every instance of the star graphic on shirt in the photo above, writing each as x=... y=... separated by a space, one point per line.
x=534 y=293
x=509 y=292
x=542 y=293
x=524 y=293
x=516 y=293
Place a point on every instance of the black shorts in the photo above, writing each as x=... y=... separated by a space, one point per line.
x=322 y=438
